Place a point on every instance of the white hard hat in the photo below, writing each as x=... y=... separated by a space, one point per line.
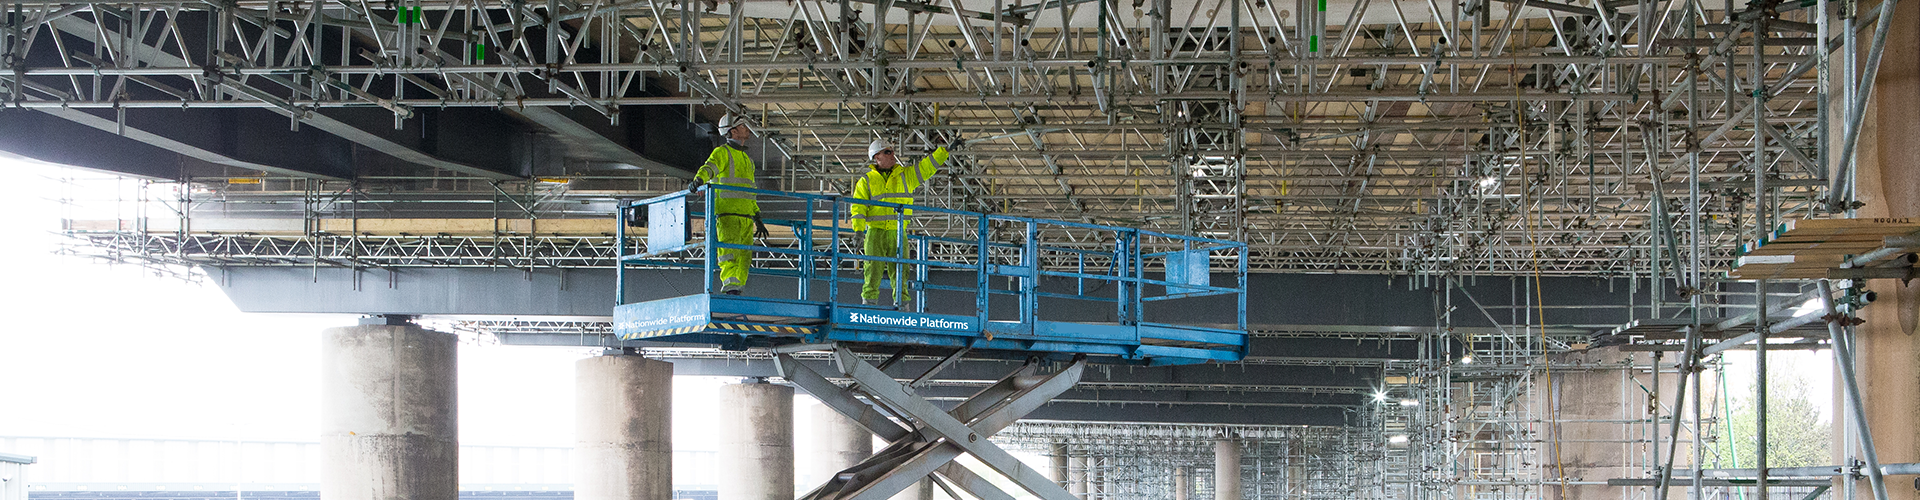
x=732 y=120
x=876 y=147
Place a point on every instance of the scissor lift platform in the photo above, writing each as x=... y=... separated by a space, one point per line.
x=1003 y=258
x=1123 y=268
x=741 y=322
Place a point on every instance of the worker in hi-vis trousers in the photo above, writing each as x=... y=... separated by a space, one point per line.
x=889 y=182
x=739 y=214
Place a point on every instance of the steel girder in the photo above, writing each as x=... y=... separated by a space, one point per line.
x=1475 y=138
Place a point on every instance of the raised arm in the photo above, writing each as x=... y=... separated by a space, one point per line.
x=926 y=169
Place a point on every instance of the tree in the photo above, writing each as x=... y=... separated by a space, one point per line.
x=1796 y=434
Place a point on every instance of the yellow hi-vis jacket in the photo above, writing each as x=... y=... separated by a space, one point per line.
x=730 y=166
x=895 y=186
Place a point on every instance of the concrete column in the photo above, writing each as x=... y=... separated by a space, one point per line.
x=1182 y=482
x=1226 y=468
x=1887 y=346
x=388 y=427
x=1588 y=406
x=624 y=429
x=756 y=452
x=838 y=442
x=1077 y=475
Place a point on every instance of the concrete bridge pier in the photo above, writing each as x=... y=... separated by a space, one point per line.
x=624 y=428
x=388 y=424
x=756 y=451
x=1226 y=468
x=838 y=442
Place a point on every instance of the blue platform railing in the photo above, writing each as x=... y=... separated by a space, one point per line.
x=1001 y=258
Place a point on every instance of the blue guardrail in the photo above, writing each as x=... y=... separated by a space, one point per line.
x=995 y=290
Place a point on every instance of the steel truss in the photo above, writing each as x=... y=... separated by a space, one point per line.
x=1639 y=138
x=188 y=224
x=1142 y=461
x=1473 y=138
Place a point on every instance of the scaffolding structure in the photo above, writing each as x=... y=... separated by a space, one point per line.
x=1474 y=430
x=1358 y=136
x=1651 y=140
x=1114 y=461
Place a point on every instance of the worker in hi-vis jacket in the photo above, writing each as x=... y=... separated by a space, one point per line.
x=739 y=214
x=888 y=181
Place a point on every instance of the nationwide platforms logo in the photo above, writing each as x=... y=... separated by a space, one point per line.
x=908 y=321
x=636 y=325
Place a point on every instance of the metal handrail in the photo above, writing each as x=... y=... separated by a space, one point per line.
x=1121 y=263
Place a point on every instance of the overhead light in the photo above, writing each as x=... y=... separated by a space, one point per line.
x=1467 y=359
x=1397 y=439
x=1489 y=182
x=1409 y=402
x=1380 y=397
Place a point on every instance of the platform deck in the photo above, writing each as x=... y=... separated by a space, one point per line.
x=1123 y=270
x=1807 y=249
x=740 y=322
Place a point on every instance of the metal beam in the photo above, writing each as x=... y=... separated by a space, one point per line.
x=325 y=121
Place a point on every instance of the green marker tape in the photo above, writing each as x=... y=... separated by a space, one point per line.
x=1323 y=5
x=479 y=51
x=1313 y=43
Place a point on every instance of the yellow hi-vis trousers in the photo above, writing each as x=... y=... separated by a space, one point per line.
x=882 y=243
x=734 y=230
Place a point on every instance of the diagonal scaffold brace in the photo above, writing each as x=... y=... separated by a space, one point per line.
x=927 y=446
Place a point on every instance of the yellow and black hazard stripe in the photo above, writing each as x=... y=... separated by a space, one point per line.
x=735 y=327
x=669 y=331
x=760 y=328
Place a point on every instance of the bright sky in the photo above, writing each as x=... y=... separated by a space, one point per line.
x=1815 y=367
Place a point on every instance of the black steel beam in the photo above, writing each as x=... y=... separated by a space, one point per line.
x=590 y=135
x=473 y=146
x=43 y=137
x=472 y=141
x=241 y=138
x=476 y=142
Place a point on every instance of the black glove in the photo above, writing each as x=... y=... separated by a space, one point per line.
x=760 y=228
x=955 y=143
x=695 y=184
